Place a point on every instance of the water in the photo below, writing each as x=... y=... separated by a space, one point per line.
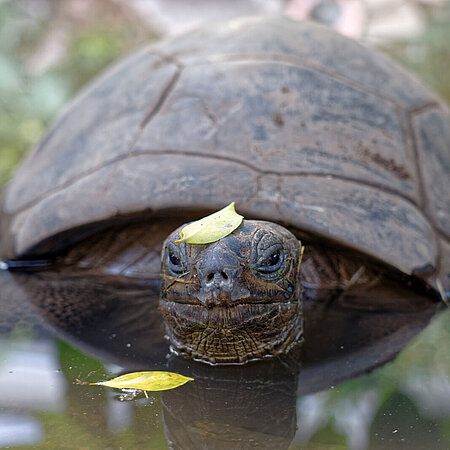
x=323 y=402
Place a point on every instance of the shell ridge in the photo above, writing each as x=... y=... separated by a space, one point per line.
x=300 y=173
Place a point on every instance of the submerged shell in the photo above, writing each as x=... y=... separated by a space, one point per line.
x=290 y=120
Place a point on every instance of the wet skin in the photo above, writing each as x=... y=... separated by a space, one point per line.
x=235 y=300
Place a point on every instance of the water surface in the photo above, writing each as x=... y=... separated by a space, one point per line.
x=299 y=401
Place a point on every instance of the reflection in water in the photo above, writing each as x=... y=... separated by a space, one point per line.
x=19 y=430
x=30 y=380
x=119 y=414
x=232 y=407
x=31 y=368
x=353 y=419
x=430 y=393
x=390 y=412
x=277 y=404
x=356 y=417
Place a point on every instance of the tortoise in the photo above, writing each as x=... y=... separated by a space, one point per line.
x=315 y=137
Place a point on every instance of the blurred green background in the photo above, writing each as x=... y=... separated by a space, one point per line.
x=50 y=49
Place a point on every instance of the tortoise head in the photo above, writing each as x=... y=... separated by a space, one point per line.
x=236 y=299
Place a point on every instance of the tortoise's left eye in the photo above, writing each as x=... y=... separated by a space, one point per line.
x=272 y=261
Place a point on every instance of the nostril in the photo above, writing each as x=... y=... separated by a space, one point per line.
x=210 y=277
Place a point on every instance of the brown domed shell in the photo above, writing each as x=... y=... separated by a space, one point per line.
x=293 y=122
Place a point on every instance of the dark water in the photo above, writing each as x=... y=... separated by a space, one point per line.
x=317 y=398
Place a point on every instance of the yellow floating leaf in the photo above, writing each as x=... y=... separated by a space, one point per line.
x=147 y=381
x=211 y=228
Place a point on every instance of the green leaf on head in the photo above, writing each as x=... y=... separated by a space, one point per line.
x=211 y=228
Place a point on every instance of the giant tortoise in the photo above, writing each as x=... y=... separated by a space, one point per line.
x=321 y=142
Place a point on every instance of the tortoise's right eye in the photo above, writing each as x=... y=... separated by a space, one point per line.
x=174 y=262
x=174 y=259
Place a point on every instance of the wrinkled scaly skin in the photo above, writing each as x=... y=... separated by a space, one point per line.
x=235 y=300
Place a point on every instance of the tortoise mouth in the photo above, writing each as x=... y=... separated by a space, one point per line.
x=239 y=313
x=225 y=301
x=231 y=334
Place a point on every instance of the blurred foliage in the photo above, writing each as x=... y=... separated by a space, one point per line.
x=30 y=98
x=429 y=54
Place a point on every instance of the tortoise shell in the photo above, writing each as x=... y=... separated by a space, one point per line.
x=292 y=121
